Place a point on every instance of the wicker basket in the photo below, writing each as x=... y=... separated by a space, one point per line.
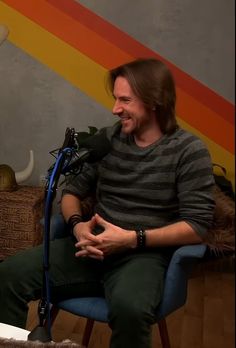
x=20 y=213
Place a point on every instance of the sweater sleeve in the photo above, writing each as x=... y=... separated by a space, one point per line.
x=195 y=182
x=84 y=183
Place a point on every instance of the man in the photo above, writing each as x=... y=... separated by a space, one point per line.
x=154 y=193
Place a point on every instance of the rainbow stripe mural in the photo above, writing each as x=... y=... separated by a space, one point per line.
x=81 y=46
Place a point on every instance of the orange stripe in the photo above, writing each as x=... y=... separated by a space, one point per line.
x=205 y=120
x=71 y=31
x=106 y=30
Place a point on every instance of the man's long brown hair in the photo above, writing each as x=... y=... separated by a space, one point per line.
x=153 y=83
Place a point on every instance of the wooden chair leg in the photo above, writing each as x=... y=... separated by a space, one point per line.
x=87 y=332
x=164 y=334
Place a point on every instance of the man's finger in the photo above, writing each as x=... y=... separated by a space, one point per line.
x=100 y=220
x=93 y=250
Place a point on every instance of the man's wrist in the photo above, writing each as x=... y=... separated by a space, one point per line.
x=132 y=239
x=73 y=221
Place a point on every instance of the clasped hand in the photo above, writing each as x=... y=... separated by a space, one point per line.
x=111 y=240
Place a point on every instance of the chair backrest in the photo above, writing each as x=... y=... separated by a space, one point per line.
x=176 y=283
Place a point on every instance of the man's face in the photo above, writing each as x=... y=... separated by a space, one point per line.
x=133 y=114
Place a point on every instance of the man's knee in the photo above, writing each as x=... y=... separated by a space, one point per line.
x=126 y=311
x=17 y=270
x=10 y=277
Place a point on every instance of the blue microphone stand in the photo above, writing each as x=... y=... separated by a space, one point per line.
x=42 y=332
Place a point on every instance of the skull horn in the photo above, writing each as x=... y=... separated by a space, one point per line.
x=3 y=33
x=25 y=174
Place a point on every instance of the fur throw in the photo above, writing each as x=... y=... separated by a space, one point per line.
x=12 y=343
x=221 y=236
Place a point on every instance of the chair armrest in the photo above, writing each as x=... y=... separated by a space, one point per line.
x=186 y=253
x=176 y=283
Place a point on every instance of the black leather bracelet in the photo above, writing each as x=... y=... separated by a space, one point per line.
x=141 y=238
x=74 y=220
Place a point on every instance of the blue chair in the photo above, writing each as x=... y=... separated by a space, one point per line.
x=174 y=296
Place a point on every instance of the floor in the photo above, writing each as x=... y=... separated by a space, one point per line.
x=206 y=321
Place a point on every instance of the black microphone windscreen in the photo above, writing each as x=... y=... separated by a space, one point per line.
x=99 y=146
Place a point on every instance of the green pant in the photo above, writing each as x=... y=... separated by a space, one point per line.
x=132 y=283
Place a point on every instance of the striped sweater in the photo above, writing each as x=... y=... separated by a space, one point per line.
x=165 y=182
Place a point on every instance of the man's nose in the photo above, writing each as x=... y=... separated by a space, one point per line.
x=117 y=108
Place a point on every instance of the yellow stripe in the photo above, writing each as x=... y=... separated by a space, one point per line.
x=81 y=71
x=55 y=53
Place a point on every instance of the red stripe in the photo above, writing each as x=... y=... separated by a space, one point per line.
x=209 y=122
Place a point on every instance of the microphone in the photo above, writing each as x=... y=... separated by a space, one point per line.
x=91 y=149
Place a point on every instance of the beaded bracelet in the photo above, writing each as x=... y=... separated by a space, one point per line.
x=74 y=220
x=141 y=238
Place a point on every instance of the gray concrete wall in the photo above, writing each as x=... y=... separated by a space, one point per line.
x=36 y=104
x=196 y=35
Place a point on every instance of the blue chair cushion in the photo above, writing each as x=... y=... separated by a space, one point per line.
x=89 y=307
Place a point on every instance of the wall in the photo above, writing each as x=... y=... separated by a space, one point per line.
x=53 y=65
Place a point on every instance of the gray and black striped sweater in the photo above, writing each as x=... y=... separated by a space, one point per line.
x=168 y=181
